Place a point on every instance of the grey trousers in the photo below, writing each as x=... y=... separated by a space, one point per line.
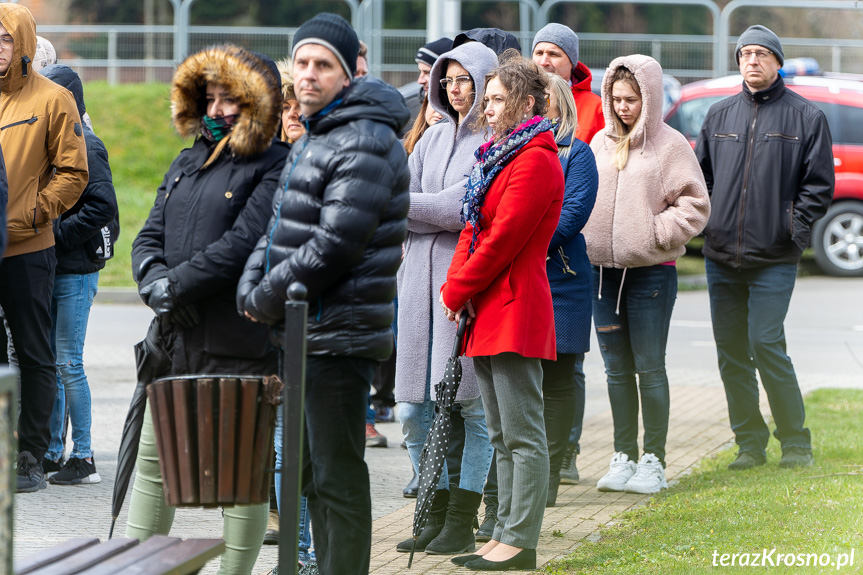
x=511 y=388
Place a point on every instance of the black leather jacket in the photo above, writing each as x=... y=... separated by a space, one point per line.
x=340 y=217
x=767 y=159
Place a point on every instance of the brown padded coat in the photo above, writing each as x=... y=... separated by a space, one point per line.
x=42 y=141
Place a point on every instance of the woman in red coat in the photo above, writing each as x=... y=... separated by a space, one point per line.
x=511 y=209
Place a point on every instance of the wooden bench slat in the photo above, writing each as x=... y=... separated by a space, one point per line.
x=47 y=556
x=86 y=558
x=119 y=563
x=181 y=558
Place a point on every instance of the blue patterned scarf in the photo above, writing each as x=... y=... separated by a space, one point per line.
x=491 y=158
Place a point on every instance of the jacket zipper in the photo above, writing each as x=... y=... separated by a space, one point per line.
x=746 y=184
x=735 y=136
x=30 y=121
x=783 y=136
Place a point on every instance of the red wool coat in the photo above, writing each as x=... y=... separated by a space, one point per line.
x=505 y=276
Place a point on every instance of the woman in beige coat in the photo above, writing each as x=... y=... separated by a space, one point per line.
x=652 y=199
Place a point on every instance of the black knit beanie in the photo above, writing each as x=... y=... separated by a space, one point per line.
x=429 y=53
x=334 y=33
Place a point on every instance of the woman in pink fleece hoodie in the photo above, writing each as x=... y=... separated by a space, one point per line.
x=652 y=199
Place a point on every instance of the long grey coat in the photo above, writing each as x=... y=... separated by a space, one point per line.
x=439 y=167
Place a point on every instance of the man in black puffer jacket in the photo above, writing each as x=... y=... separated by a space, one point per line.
x=85 y=241
x=340 y=217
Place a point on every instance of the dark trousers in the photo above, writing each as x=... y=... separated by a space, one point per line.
x=26 y=283
x=559 y=397
x=632 y=338
x=748 y=309
x=335 y=476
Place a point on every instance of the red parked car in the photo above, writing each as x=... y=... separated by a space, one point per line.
x=837 y=237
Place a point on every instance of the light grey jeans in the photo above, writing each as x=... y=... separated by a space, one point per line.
x=511 y=388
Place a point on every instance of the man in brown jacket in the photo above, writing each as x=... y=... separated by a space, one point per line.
x=46 y=164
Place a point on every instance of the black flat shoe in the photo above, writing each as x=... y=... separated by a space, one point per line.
x=464 y=559
x=523 y=560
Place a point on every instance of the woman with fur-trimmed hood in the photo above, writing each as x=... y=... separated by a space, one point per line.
x=210 y=210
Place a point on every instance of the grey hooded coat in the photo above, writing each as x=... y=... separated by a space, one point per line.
x=439 y=167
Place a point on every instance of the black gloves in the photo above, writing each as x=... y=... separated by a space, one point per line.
x=158 y=296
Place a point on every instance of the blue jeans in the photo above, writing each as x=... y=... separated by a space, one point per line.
x=748 y=308
x=307 y=553
x=632 y=342
x=417 y=419
x=70 y=310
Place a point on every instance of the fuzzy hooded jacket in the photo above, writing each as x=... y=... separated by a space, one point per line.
x=588 y=104
x=42 y=140
x=78 y=232
x=339 y=220
x=205 y=221
x=646 y=212
x=439 y=166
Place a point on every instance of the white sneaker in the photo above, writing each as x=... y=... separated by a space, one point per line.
x=619 y=472
x=649 y=476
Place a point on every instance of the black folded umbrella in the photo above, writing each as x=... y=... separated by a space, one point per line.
x=152 y=361
x=434 y=450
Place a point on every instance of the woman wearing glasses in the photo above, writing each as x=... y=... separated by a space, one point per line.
x=652 y=199
x=439 y=164
x=498 y=275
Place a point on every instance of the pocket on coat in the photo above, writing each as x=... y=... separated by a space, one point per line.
x=507 y=295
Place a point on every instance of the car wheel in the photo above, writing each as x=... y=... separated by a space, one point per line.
x=838 y=240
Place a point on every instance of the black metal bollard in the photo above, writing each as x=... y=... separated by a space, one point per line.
x=293 y=400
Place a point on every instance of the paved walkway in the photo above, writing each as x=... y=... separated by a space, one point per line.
x=824 y=334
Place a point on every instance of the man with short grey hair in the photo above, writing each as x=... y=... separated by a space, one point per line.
x=767 y=158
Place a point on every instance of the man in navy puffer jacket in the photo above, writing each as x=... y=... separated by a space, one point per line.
x=339 y=220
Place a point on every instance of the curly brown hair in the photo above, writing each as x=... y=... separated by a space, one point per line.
x=521 y=78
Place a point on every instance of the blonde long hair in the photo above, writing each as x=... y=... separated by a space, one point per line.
x=567 y=124
x=622 y=132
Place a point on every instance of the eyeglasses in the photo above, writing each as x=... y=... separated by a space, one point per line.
x=759 y=54
x=7 y=41
x=460 y=81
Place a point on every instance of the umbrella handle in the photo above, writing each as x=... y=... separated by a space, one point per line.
x=459 y=334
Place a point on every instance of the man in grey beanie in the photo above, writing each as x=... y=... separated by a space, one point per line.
x=767 y=158
x=555 y=49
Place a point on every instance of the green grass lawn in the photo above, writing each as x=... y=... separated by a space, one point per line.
x=134 y=121
x=813 y=511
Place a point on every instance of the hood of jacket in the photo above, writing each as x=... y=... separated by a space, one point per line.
x=474 y=57
x=247 y=78
x=366 y=98
x=582 y=77
x=20 y=24
x=648 y=75
x=69 y=79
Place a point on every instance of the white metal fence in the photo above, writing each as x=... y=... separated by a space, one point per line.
x=135 y=53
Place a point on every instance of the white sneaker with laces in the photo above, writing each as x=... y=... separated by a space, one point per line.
x=620 y=470
x=649 y=476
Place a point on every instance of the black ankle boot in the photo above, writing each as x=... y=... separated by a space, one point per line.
x=457 y=535
x=486 y=530
x=434 y=524
x=553 y=485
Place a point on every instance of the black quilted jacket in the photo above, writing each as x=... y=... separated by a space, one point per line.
x=340 y=217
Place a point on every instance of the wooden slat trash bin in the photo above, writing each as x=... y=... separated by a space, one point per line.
x=215 y=438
